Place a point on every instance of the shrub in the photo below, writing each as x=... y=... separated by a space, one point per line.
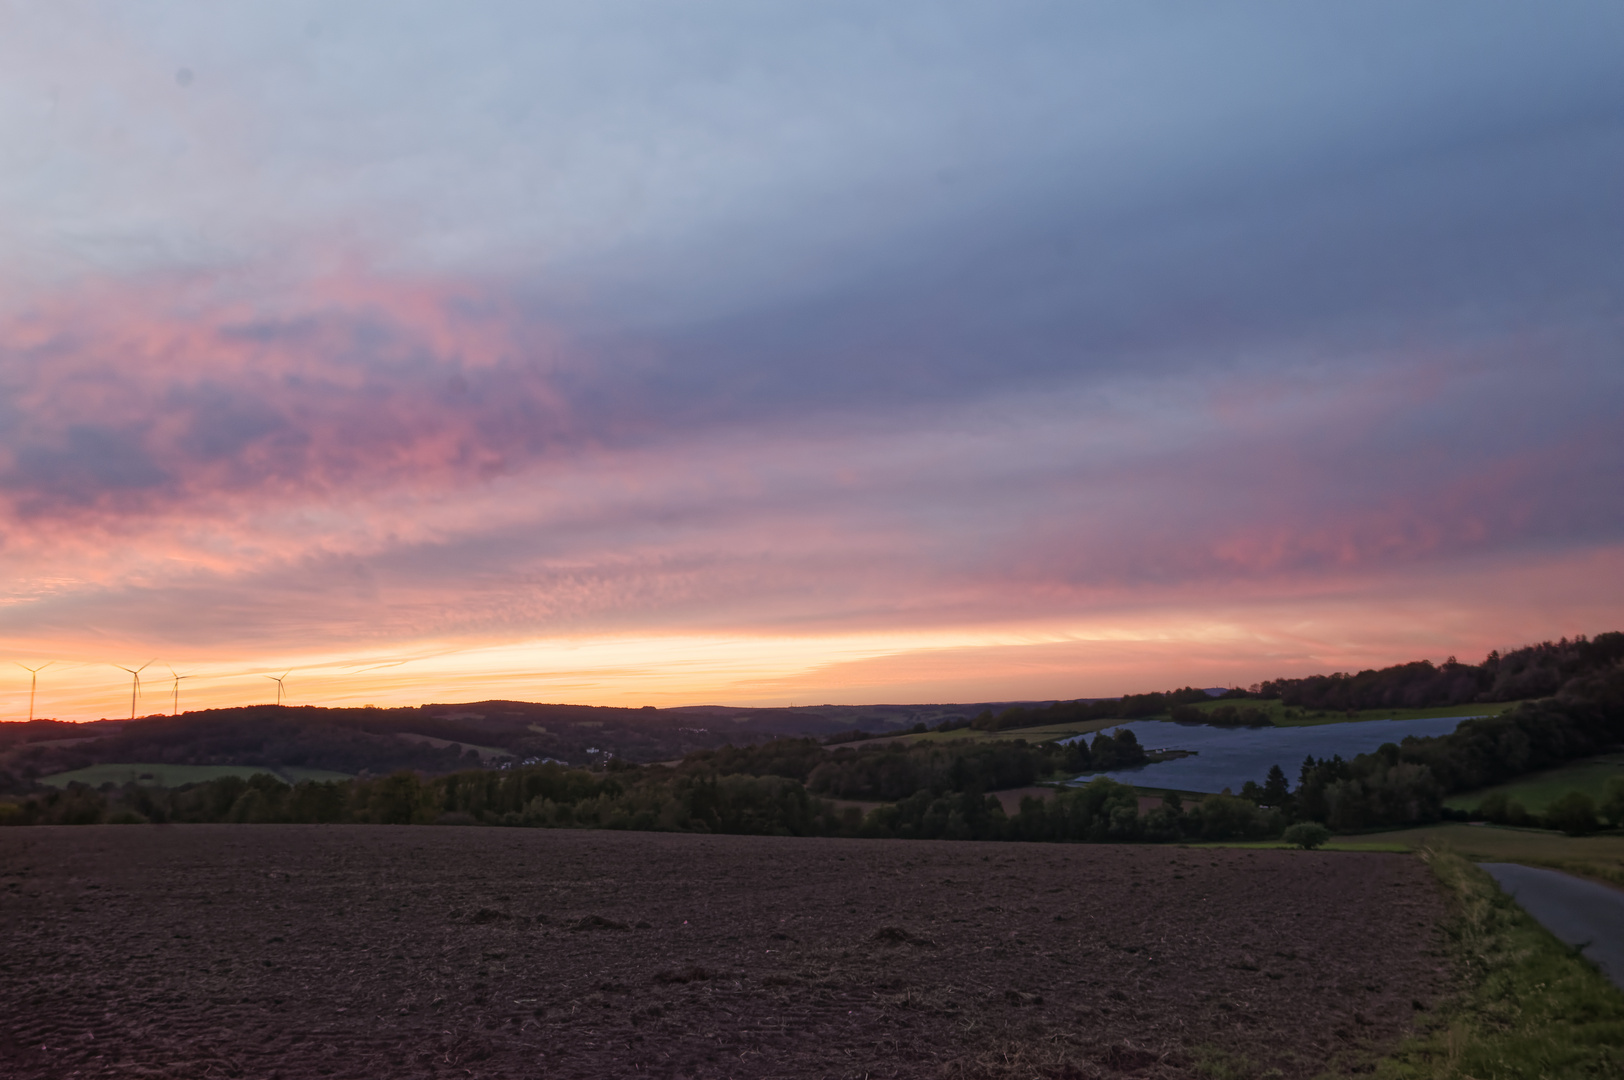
x=1573 y=813
x=1307 y=835
x=1612 y=802
x=1502 y=810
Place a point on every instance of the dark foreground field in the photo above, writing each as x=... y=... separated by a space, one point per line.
x=372 y=951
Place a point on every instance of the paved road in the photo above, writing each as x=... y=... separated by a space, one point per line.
x=1578 y=912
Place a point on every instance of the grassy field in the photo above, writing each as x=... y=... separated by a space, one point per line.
x=1031 y=734
x=1283 y=717
x=176 y=775
x=1278 y=715
x=293 y=774
x=487 y=754
x=1538 y=790
x=1532 y=1007
x=1597 y=857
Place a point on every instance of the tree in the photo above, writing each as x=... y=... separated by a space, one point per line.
x=1504 y=810
x=398 y=799
x=1573 y=813
x=1307 y=835
x=1230 y=817
x=1276 y=790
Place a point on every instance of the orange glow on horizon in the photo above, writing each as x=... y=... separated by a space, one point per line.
x=1235 y=643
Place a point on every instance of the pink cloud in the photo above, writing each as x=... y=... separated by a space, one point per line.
x=363 y=466
x=126 y=400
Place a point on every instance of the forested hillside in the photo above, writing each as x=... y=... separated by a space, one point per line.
x=432 y=738
x=1532 y=671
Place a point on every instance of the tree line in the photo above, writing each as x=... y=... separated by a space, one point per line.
x=650 y=798
x=931 y=789
x=1533 y=671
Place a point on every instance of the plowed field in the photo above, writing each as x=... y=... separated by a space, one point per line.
x=306 y=951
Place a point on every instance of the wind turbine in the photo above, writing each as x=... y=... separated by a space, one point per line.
x=277 y=679
x=176 y=706
x=135 y=685
x=33 y=683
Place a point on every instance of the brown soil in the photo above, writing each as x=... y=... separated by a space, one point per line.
x=303 y=951
x=1010 y=798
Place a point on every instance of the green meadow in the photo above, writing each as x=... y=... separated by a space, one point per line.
x=486 y=754
x=1290 y=716
x=1537 y=791
x=171 y=776
x=1032 y=734
x=1597 y=857
x=1276 y=713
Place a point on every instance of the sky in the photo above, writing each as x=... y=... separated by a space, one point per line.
x=639 y=353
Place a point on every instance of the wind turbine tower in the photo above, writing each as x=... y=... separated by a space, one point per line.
x=277 y=679
x=33 y=684
x=135 y=683
x=175 y=707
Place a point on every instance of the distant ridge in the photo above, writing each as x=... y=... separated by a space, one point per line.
x=445 y=737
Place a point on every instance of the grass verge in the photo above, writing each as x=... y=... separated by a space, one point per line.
x=1531 y=1008
x=1598 y=857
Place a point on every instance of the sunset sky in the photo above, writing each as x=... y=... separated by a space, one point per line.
x=744 y=353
